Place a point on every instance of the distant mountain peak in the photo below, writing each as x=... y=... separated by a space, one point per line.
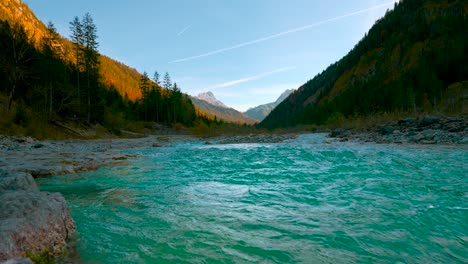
x=209 y=97
x=283 y=96
x=261 y=111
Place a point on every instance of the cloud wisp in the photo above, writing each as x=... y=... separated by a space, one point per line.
x=183 y=30
x=251 y=78
x=277 y=35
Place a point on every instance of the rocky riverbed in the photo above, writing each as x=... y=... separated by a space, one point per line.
x=425 y=130
x=46 y=158
x=33 y=222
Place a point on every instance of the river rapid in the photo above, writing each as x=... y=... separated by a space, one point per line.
x=305 y=200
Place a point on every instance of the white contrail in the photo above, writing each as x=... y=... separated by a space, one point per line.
x=248 y=79
x=183 y=30
x=248 y=43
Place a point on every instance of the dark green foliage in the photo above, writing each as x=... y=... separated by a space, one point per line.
x=405 y=62
x=54 y=88
x=165 y=106
x=16 y=60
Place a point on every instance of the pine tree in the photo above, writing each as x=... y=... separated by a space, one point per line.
x=16 y=57
x=167 y=81
x=144 y=87
x=91 y=56
x=156 y=78
x=48 y=47
x=76 y=29
x=51 y=29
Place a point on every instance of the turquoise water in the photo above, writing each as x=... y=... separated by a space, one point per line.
x=305 y=200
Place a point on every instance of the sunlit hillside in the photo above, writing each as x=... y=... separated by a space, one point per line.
x=413 y=59
x=118 y=75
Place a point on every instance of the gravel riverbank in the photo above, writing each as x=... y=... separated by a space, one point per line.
x=426 y=130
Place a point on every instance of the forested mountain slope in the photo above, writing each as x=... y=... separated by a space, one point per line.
x=118 y=75
x=413 y=59
x=222 y=113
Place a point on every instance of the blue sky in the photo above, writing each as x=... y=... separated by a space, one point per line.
x=247 y=52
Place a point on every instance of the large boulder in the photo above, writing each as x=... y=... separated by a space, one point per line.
x=31 y=221
x=13 y=181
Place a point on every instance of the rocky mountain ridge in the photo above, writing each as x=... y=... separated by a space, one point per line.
x=262 y=111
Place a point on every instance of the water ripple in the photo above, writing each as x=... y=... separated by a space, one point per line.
x=298 y=201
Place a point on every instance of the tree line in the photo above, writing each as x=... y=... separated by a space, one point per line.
x=163 y=101
x=41 y=76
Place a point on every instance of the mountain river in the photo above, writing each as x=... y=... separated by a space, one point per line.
x=306 y=200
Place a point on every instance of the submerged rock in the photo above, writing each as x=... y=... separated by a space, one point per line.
x=31 y=221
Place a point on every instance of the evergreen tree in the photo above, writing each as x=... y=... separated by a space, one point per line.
x=91 y=57
x=77 y=38
x=156 y=78
x=52 y=30
x=167 y=81
x=49 y=61
x=145 y=87
x=15 y=60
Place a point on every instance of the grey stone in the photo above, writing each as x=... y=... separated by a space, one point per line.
x=339 y=132
x=42 y=169
x=385 y=130
x=407 y=121
x=417 y=138
x=12 y=181
x=33 y=222
x=428 y=134
x=428 y=120
x=38 y=145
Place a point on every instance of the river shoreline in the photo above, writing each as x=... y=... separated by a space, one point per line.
x=428 y=130
x=25 y=158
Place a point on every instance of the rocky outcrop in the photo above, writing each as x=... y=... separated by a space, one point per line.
x=426 y=130
x=210 y=98
x=31 y=221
